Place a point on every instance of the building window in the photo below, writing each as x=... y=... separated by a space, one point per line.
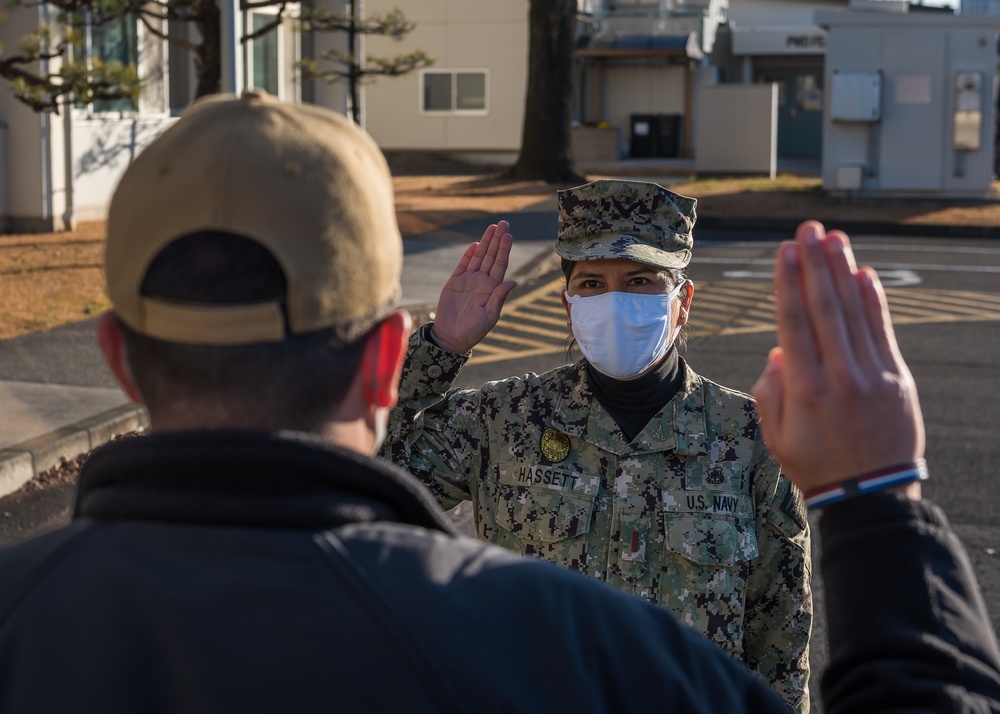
x=453 y=91
x=263 y=54
x=107 y=40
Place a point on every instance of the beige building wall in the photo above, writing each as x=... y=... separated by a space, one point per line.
x=23 y=191
x=753 y=149
x=460 y=35
x=623 y=91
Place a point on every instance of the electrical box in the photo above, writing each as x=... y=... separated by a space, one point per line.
x=968 y=111
x=856 y=97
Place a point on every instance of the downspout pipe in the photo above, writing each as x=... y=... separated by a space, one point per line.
x=46 y=121
x=67 y=217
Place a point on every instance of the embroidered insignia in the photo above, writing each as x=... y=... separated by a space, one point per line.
x=715 y=476
x=627 y=196
x=555 y=445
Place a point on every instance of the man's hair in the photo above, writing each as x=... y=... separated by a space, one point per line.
x=296 y=382
x=676 y=275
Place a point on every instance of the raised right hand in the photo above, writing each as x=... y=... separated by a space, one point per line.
x=836 y=399
x=471 y=300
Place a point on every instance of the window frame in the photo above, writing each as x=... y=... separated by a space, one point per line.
x=271 y=12
x=453 y=111
x=88 y=111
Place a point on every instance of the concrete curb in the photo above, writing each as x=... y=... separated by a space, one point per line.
x=21 y=463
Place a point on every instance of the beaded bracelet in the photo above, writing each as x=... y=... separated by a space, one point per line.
x=868 y=483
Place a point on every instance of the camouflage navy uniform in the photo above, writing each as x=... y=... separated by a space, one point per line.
x=693 y=514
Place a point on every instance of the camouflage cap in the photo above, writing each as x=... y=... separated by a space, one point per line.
x=637 y=220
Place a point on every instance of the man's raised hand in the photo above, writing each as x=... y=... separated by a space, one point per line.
x=471 y=300
x=836 y=399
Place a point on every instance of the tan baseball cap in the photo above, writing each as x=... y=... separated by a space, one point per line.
x=302 y=181
x=637 y=220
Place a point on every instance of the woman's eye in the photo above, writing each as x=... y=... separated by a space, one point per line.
x=640 y=281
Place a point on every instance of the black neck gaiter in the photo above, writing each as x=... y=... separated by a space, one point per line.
x=632 y=403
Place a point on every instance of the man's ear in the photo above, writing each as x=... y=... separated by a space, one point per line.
x=112 y=344
x=383 y=359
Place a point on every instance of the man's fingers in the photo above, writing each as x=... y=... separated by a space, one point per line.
x=843 y=271
x=877 y=317
x=794 y=331
x=826 y=313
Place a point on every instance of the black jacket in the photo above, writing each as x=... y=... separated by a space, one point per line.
x=236 y=572
x=907 y=624
x=271 y=572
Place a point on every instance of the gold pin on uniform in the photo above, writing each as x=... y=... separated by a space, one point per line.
x=555 y=445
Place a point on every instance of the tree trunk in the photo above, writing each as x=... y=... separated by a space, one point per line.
x=547 y=108
x=208 y=57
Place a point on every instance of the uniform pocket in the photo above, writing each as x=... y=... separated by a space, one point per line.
x=710 y=539
x=543 y=514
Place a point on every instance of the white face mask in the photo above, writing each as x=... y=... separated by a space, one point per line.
x=623 y=334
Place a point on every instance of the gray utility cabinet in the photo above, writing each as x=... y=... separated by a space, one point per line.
x=911 y=104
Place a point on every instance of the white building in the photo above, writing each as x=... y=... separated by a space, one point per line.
x=59 y=169
x=639 y=66
x=471 y=101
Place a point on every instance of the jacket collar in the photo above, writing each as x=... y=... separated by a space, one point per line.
x=679 y=426
x=248 y=478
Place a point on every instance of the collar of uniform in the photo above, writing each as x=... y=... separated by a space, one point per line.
x=248 y=478
x=679 y=426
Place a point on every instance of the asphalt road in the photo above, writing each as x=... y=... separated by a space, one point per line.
x=945 y=299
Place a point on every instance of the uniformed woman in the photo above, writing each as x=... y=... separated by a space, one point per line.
x=626 y=466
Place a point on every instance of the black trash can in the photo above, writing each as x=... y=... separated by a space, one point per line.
x=643 y=144
x=667 y=135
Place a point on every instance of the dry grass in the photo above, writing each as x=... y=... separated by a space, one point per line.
x=49 y=280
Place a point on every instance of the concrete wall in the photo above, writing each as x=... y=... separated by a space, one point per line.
x=460 y=34
x=103 y=147
x=752 y=148
x=26 y=200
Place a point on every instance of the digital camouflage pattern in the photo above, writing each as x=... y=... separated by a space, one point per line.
x=637 y=220
x=693 y=514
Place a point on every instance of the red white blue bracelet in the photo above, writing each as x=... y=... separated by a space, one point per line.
x=868 y=483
